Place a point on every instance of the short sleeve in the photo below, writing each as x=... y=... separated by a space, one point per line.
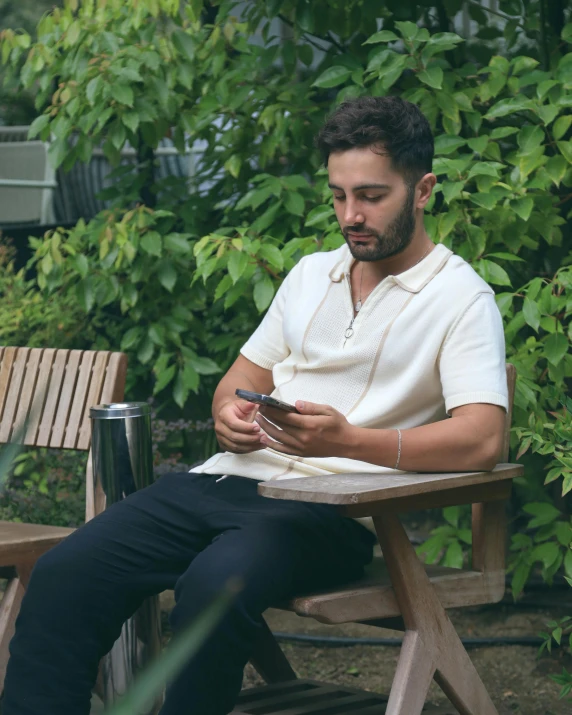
x=472 y=364
x=267 y=346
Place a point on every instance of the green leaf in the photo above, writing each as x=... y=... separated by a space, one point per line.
x=38 y=125
x=332 y=77
x=382 y=36
x=508 y=106
x=485 y=168
x=555 y=347
x=167 y=275
x=233 y=165
x=85 y=293
x=164 y=378
x=407 y=29
x=556 y=168
x=145 y=351
x=547 y=553
x=57 y=152
x=272 y=255
x=520 y=577
x=531 y=313
x=263 y=293
x=486 y=201
x=237 y=262
x=522 y=208
x=131 y=338
x=561 y=126
x=151 y=243
x=504 y=303
x=522 y=64
x=204 y=365
x=180 y=390
x=502 y=132
x=452 y=190
x=177 y=243
x=544 y=513
x=122 y=93
x=93 y=88
x=530 y=137
x=294 y=203
x=319 y=214
x=432 y=76
x=454 y=556
x=184 y=43
x=531 y=160
x=492 y=272
x=566 y=150
x=478 y=144
x=191 y=379
x=446 y=144
x=80 y=263
x=131 y=120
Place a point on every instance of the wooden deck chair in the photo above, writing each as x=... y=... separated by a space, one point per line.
x=398 y=591
x=45 y=395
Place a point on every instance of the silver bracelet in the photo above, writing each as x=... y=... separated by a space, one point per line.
x=398 y=448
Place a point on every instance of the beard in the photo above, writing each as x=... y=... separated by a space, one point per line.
x=395 y=239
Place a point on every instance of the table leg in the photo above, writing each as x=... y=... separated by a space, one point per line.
x=431 y=647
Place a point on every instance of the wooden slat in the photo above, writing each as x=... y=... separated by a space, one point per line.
x=52 y=398
x=14 y=389
x=307 y=697
x=78 y=407
x=114 y=386
x=42 y=385
x=372 y=597
x=26 y=403
x=7 y=356
x=360 y=488
x=64 y=404
x=492 y=491
x=93 y=397
x=8 y=613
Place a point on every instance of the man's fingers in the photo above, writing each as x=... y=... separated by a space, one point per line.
x=282 y=435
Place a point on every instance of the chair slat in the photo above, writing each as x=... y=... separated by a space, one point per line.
x=93 y=397
x=78 y=406
x=7 y=356
x=64 y=404
x=114 y=386
x=42 y=384
x=511 y=383
x=26 y=402
x=53 y=398
x=14 y=389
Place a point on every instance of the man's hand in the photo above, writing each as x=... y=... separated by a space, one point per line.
x=235 y=429
x=319 y=431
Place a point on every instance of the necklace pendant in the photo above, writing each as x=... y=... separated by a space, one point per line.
x=357 y=306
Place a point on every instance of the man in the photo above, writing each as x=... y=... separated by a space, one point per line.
x=392 y=350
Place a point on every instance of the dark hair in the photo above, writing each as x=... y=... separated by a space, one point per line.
x=390 y=125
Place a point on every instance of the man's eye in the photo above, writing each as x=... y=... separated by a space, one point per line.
x=373 y=199
x=339 y=198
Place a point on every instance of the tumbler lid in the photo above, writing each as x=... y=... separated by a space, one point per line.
x=118 y=410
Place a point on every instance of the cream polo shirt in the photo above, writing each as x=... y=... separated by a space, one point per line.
x=425 y=341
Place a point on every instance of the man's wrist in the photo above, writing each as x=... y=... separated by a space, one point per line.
x=375 y=446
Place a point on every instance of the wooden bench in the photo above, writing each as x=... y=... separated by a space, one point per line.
x=45 y=395
x=399 y=592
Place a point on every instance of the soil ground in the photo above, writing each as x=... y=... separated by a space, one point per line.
x=516 y=678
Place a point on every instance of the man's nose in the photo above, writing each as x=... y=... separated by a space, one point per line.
x=353 y=215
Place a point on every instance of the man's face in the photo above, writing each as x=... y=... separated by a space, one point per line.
x=374 y=206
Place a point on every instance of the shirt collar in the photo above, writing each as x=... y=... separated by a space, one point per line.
x=414 y=279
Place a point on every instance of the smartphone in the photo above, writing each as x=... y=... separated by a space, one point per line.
x=259 y=399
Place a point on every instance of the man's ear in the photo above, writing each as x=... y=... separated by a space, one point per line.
x=424 y=189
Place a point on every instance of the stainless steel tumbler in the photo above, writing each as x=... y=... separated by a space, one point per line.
x=122 y=464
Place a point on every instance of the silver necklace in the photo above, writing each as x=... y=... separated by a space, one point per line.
x=358 y=306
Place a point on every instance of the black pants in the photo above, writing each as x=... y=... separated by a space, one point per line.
x=189 y=532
